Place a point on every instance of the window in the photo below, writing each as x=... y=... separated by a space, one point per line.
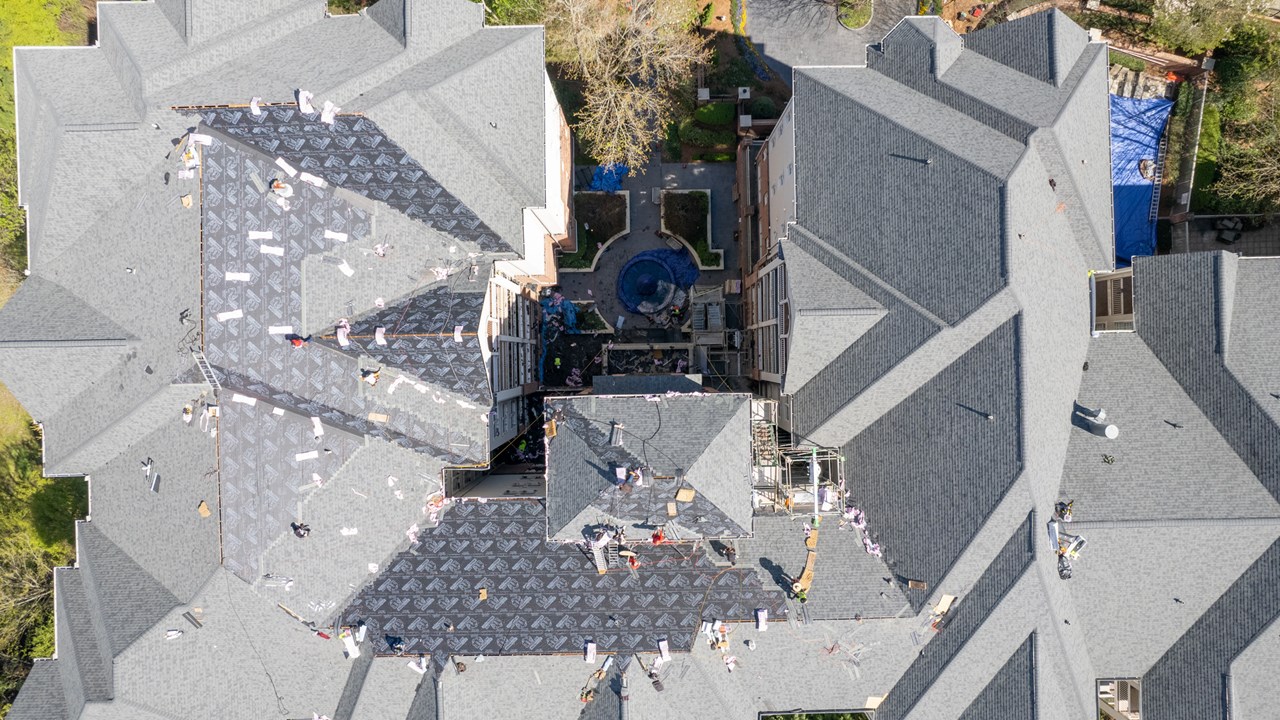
x=1113 y=301
x=1120 y=699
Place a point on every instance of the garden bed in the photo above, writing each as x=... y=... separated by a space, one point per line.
x=686 y=215
x=601 y=218
x=854 y=14
x=590 y=321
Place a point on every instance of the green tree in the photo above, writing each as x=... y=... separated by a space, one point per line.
x=1248 y=66
x=1196 y=26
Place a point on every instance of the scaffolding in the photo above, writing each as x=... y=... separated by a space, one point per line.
x=790 y=477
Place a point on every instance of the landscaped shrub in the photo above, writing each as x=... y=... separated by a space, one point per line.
x=716 y=113
x=1126 y=61
x=719 y=157
x=691 y=134
x=765 y=108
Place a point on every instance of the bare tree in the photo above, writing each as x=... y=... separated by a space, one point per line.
x=632 y=58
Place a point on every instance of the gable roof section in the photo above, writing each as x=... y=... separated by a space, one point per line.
x=1254 y=324
x=930 y=471
x=698 y=441
x=903 y=329
x=1012 y=692
x=1044 y=45
x=128 y=599
x=354 y=153
x=1124 y=589
x=965 y=618
x=1191 y=680
x=1160 y=471
x=1178 y=313
x=913 y=163
x=41 y=696
x=42 y=313
x=828 y=315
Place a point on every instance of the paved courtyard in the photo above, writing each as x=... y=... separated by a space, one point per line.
x=600 y=285
x=795 y=33
x=1201 y=236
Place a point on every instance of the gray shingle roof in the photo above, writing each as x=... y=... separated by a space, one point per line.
x=1012 y=692
x=1189 y=681
x=42 y=313
x=645 y=384
x=543 y=597
x=860 y=134
x=702 y=441
x=1044 y=45
x=41 y=697
x=963 y=621
x=848 y=582
x=127 y=599
x=928 y=472
x=829 y=314
x=1178 y=313
x=1254 y=330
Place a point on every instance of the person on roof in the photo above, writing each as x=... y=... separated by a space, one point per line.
x=370 y=376
x=281 y=188
x=297 y=340
x=300 y=529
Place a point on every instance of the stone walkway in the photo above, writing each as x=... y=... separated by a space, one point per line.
x=600 y=285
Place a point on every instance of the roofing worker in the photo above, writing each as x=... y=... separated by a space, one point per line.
x=370 y=376
x=281 y=188
x=297 y=340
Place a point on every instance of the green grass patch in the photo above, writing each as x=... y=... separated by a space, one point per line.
x=854 y=14
x=599 y=217
x=1202 y=195
x=718 y=157
x=1145 y=7
x=691 y=133
x=716 y=114
x=1128 y=62
x=685 y=214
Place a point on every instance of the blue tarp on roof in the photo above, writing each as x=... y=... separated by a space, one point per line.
x=1136 y=127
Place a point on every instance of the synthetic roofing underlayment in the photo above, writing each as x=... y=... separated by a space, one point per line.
x=954 y=198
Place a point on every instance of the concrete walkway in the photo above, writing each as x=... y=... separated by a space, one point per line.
x=600 y=285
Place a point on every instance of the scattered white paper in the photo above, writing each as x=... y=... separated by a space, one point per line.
x=261 y=234
x=271 y=250
x=244 y=399
x=286 y=167
x=312 y=179
x=311 y=455
x=230 y=315
x=280 y=330
x=346 y=269
x=334 y=235
x=238 y=277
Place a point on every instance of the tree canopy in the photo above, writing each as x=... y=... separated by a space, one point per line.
x=1197 y=26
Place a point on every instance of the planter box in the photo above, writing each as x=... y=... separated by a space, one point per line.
x=626 y=228
x=688 y=243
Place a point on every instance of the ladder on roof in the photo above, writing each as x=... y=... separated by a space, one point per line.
x=1154 y=210
x=207 y=370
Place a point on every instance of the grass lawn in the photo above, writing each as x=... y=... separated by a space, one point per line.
x=1202 y=198
x=685 y=215
x=1128 y=62
x=854 y=14
x=600 y=216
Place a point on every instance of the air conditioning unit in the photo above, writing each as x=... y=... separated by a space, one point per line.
x=744 y=93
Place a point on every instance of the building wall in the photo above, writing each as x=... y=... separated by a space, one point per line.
x=766 y=284
x=511 y=330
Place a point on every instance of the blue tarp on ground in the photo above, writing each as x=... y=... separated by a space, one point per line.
x=648 y=280
x=608 y=178
x=1136 y=127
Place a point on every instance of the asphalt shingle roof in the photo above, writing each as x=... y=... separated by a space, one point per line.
x=42 y=696
x=699 y=441
x=963 y=621
x=1012 y=692
x=930 y=471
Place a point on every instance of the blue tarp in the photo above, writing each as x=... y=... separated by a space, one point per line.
x=608 y=178
x=1136 y=127
x=647 y=281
